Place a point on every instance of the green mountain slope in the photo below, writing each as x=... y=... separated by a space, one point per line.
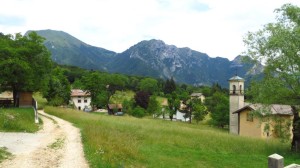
x=68 y=50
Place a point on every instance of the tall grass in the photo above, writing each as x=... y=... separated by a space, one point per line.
x=111 y=141
x=17 y=120
x=4 y=154
x=42 y=102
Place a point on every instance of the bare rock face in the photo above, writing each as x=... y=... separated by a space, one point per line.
x=157 y=59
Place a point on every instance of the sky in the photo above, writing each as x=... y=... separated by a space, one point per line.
x=214 y=27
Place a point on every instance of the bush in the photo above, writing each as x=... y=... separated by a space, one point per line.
x=138 y=112
x=57 y=101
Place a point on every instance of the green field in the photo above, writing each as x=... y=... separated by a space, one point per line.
x=17 y=120
x=111 y=141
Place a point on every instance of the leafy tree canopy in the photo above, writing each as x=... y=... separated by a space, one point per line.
x=24 y=62
x=148 y=85
x=277 y=45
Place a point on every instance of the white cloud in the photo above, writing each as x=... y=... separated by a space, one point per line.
x=214 y=27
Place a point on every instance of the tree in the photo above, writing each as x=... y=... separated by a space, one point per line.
x=128 y=106
x=170 y=86
x=24 y=62
x=148 y=85
x=199 y=111
x=142 y=99
x=59 y=89
x=153 y=106
x=94 y=83
x=138 y=112
x=218 y=106
x=277 y=45
x=174 y=104
x=115 y=82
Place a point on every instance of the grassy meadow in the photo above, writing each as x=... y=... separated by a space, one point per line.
x=112 y=141
x=17 y=120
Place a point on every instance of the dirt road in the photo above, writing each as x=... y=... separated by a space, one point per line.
x=58 y=144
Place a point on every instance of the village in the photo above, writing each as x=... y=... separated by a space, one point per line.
x=153 y=105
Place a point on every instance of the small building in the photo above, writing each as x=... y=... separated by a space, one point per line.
x=179 y=116
x=198 y=96
x=6 y=99
x=242 y=118
x=81 y=99
x=114 y=108
x=25 y=99
x=249 y=125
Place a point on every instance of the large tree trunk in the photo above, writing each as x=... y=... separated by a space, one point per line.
x=296 y=131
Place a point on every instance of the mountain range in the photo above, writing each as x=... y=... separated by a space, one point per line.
x=151 y=58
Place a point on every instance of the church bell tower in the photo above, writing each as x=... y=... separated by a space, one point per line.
x=236 y=101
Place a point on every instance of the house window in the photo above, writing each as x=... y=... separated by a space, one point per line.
x=250 y=116
x=85 y=100
x=79 y=100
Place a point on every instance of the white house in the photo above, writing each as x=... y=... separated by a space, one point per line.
x=198 y=96
x=81 y=99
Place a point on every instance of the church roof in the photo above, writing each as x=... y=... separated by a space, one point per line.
x=272 y=109
x=236 y=78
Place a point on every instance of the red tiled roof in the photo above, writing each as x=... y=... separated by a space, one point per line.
x=78 y=92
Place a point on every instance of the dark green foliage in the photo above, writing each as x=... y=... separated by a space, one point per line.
x=102 y=99
x=148 y=85
x=170 y=86
x=218 y=106
x=138 y=112
x=94 y=83
x=116 y=82
x=153 y=106
x=199 y=111
x=59 y=89
x=142 y=99
x=173 y=104
x=24 y=62
x=195 y=107
x=128 y=106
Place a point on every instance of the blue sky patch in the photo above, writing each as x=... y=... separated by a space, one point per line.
x=11 y=20
x=199 y=7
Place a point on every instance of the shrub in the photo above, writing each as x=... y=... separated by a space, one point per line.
x=138 y=112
